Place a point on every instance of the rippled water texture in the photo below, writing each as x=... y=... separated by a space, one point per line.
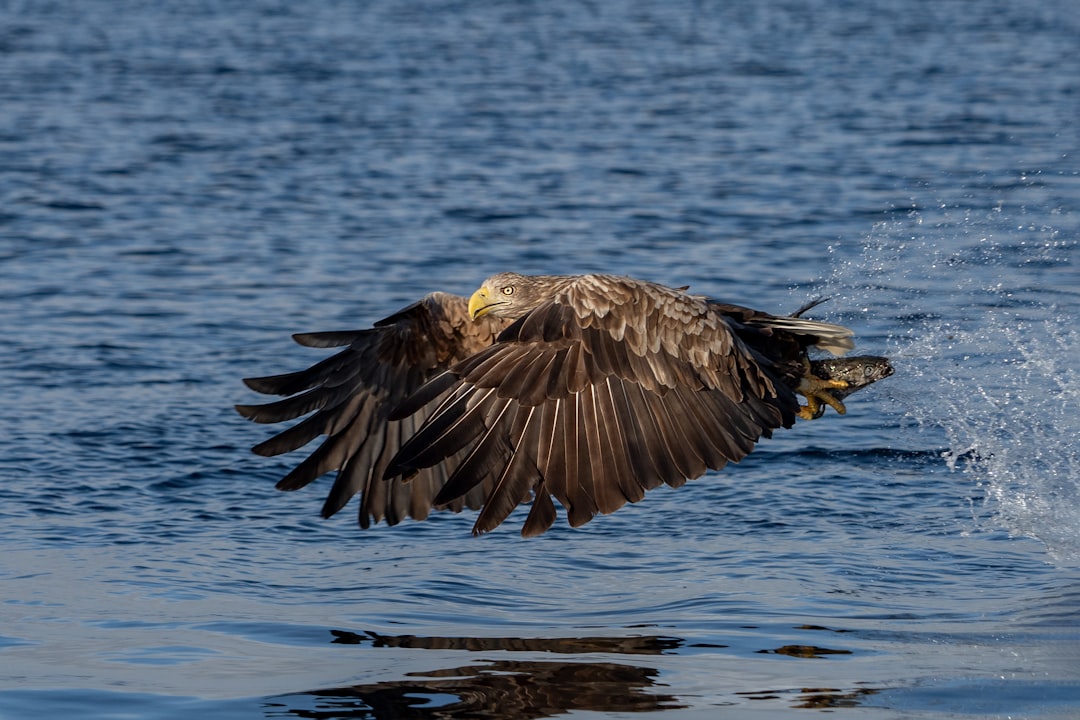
x=183 y=185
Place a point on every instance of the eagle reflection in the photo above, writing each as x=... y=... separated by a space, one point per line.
x=493 y=689
x=633 y=645
x=510 y=689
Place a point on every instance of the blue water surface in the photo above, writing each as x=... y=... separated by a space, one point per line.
x=183 y=185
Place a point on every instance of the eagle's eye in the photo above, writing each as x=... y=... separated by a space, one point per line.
x=508 y=290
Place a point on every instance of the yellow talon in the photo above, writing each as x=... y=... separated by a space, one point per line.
x=816 y=392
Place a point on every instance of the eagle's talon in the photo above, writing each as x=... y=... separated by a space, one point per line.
x=816 y=392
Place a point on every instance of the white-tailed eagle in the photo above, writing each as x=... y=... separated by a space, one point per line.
x=589 y=389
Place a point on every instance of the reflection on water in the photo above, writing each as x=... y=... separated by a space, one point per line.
x=495 y=689
x=528 y=688
x=644 y=645
x=814 y=698
x=804 y=651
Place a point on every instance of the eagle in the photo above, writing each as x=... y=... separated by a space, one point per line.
x=585 y=389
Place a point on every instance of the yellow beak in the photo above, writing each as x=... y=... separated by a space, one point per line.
x=479 y=303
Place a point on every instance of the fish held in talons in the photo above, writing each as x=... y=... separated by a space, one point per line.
x=828 y=381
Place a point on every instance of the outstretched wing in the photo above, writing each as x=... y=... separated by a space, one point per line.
x=349 y=397
x=612 y=387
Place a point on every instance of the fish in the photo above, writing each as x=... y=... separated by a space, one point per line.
x=858 y=372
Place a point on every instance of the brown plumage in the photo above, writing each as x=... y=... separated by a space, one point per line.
x=350 y=396
x=591 y=389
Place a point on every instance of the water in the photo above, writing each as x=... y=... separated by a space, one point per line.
x=183 y=186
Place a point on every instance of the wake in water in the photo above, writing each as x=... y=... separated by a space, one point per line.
x=983 y=316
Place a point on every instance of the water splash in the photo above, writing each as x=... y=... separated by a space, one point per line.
x=1012 y=419
x=982 y=328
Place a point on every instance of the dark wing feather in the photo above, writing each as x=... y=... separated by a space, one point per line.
x=518 y=477
x=349 y=397
x=610 y=388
